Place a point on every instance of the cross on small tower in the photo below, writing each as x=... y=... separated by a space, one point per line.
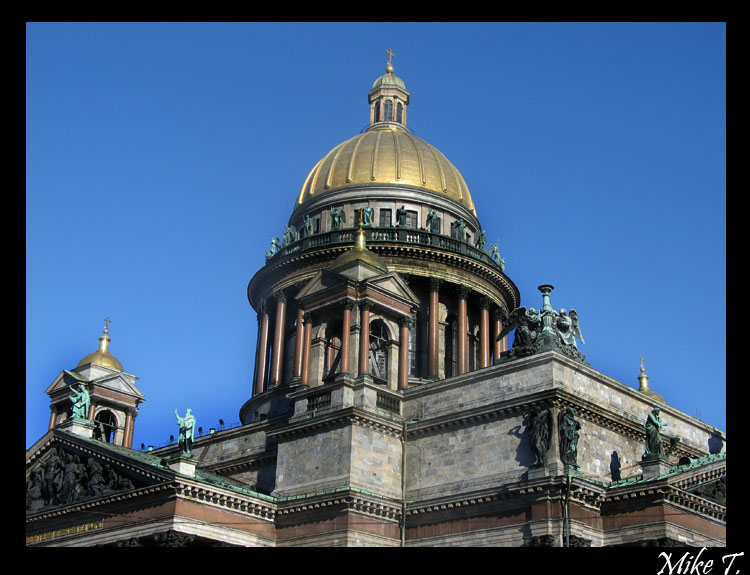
x=390 y=56
x=106 y=323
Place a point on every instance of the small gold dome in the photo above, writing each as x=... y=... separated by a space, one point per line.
x=102 y=356
x=645 y=389
x=386 y=155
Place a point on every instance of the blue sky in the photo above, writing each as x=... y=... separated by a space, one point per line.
x=161 y=158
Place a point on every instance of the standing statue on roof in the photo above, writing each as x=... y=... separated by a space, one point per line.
x=187 y=431
x=654 y=445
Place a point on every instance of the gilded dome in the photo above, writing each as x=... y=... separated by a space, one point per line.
x=102 y=356
x=386 y=154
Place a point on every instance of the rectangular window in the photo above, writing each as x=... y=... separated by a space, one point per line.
x=385 y=218
x=411 y=219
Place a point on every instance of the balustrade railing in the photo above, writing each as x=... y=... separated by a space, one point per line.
x=375 y=235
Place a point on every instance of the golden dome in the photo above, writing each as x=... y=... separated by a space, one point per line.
x=102 y=356
x=386 y=154
x=359 y=253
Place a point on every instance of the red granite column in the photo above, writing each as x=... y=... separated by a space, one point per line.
x=262 y=352
x=307 y=349
x=346 y=324
x=129 y=425
x=499 y=345
x=403 y=353
x=277 y=359
x=432 y=329
x=484 y=332
x=364 y=338
x=463 y=328
x=299 y=344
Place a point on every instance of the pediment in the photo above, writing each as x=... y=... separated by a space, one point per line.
x=392 y=284
x=321 y=282
x=113 y=380
x=63 y=469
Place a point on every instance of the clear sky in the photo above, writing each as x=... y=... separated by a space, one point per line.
x=161 y=158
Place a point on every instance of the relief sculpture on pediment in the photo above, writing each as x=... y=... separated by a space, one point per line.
x=64 y=477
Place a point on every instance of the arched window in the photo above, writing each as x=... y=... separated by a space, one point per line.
x=388 y=108
x=106 y=425
x=376 y=115
x=400 y=113
x=378 y=349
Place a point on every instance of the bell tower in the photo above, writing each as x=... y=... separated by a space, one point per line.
x=96 y=398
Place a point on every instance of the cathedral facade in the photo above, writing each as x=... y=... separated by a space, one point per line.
x=401 y=396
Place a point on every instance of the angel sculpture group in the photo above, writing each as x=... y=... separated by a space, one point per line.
x=545 y=329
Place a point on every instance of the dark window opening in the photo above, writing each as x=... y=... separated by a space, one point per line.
x=400 y=113
x=388 y=109
x=385 y=218
x=378 y=350
x=451 y=331
x=106 y=424
x=411 y=219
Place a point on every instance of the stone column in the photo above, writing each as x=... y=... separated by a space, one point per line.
x=346 y=328
x=299 y=344
x=262 y=352
x=277 y=359
x=90 y=414
x=306 y=349
x=364 y=338
x=497 y=320
x=403 y=353
x=462 y=341
x=129 y=426
x=433 y=368
x=484 y=332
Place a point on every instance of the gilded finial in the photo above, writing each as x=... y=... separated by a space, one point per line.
x=643 y=378
x=104 y=340
x=359 y=237
x=389 y=67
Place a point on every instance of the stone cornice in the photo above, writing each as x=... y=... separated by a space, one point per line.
x=91 y=505
x=298 y=508
x=240 y=464
x=336 y=417
x=226 y=499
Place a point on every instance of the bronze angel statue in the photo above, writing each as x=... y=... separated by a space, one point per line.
x=568 y=328
x=526 y=322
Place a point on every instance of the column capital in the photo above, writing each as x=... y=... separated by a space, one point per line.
x=484 y=302
x=463 y=291
x=365 y=305
x=406 y=321
x=279 y=296
x=348 y=304
x=499 y=314
x=435 y=284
